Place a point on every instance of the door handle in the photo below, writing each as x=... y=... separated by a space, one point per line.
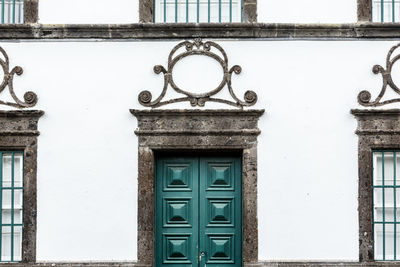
x=202 y=254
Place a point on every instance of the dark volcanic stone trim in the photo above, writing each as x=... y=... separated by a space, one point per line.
x=364 y=10
x=196 y=130
x=18 y=131
x=31 y=11
x=377 y=129
x=249 y=11
x=203 y=30
x=146 y=11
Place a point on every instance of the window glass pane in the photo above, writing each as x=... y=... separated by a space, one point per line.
x=6 y=243
x=397 y=242
x=192 y=11
x=225 y=11
x=388 y=168
x=18 y=165
x=18 y=194
x=6 y=199
x=236 y=12
x=181 y=7
x=389 y=196
x=6 y=170
x=170 y=16
x=378 y=205
x=214 y=12
x=6 y=216
x=389 y=214
x=17 y=242
x=389 y=242
x=378 y=238
x=203 y=12
x=377 y=159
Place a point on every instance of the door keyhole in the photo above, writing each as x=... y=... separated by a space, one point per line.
x=202 y=254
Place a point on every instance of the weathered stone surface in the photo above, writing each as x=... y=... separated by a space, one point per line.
x=203 y=30
x=146 y=10
x=364 y=10
x=18 y=131
x=377 y=129
x=250 y=11
x=196 y=131
x=31 y=11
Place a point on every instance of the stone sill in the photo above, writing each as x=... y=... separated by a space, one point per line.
x=205 y=30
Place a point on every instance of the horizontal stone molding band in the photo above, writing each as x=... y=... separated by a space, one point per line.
x=368 y=30
x=199 y=132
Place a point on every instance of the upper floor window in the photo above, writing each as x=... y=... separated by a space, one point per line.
x=198 y=11
x=385 y=10
x=11 y=195
x=12 y=11
x=386 y=203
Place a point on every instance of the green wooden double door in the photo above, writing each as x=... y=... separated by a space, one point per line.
x=198 y=212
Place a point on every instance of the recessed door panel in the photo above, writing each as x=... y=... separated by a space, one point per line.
x=198 y=212
x=176 y=213
x=220 y=200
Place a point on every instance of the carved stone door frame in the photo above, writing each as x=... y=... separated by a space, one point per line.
x=174 y=130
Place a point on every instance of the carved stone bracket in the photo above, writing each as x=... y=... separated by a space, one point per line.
x=197 y=99
x=364 y=97
x=30 y=98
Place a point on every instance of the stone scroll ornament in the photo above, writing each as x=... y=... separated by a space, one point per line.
x=364 y=97
x=30 y=98
x=198 y=47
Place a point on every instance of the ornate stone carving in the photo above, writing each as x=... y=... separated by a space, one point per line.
x=364 y=97
x=197 y=99
x=30 y=98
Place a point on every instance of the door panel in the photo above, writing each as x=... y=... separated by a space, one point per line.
x=198 y=209
x=220 y=203
x=176 y=212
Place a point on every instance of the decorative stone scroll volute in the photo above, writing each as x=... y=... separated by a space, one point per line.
x=30 y=98
x=364 y=97
x=198 y=47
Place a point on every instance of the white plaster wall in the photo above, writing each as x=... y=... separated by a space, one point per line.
x=88 y=11
x=87 y=151
x=307 y=11
x=127 y=11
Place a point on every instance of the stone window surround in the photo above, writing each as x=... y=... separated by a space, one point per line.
x=31 y=11
x=377 y=130
x=364 y=10
x=146 y=11
x=18 y=131
x=196 y=130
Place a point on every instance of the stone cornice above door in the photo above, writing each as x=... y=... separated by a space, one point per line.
x=215 y=128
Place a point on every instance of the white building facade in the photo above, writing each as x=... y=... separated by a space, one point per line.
x=98 y=172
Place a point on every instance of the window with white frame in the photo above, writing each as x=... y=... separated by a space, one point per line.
x=11 y=196
x=386 y=203
x=385 y=10
x=197 y=11
x=12 y=11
